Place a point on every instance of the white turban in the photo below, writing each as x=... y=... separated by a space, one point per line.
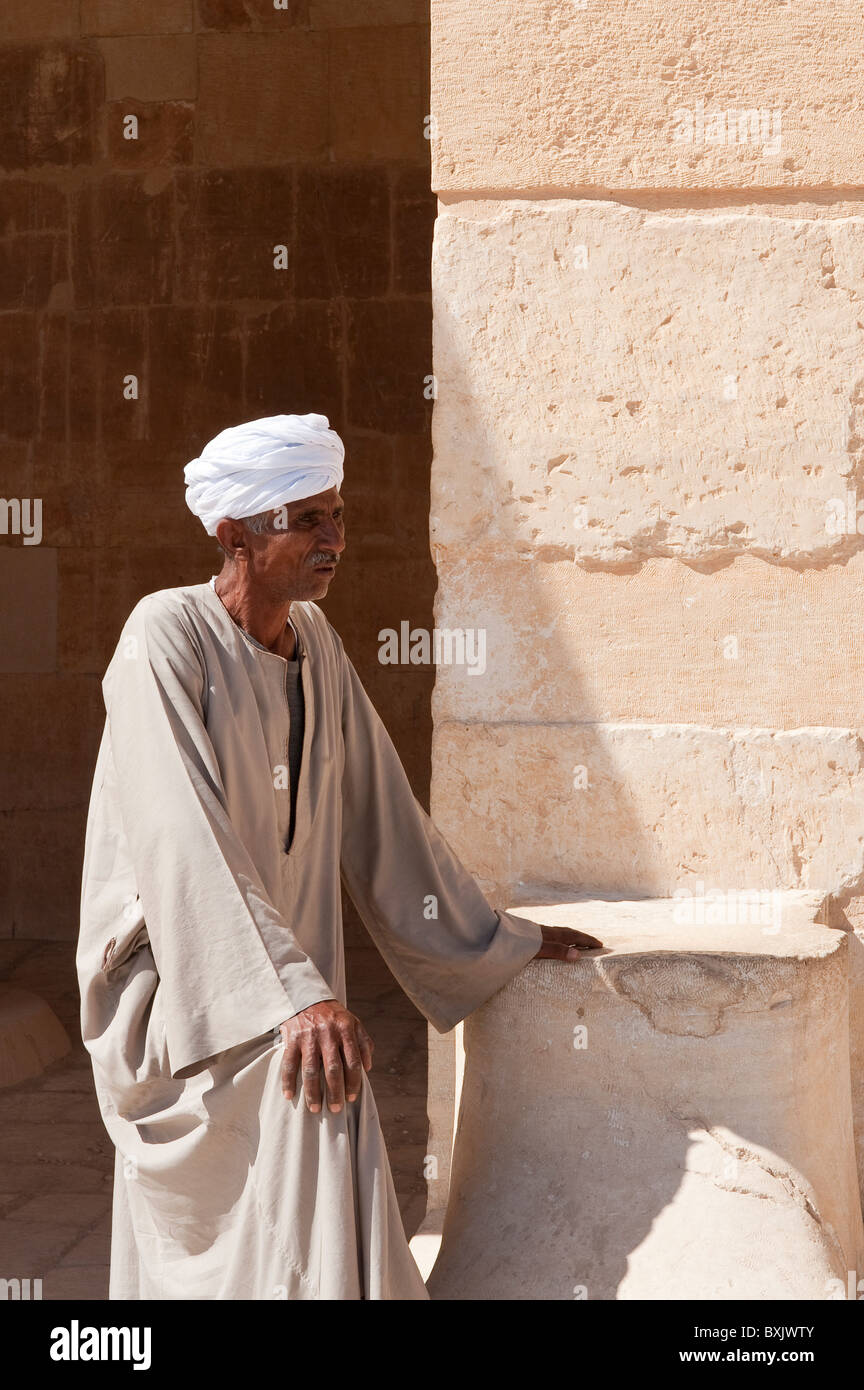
x=262 y=465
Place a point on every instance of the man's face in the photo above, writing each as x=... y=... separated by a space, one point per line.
x=296 y=557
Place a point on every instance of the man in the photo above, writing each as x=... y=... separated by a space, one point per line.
x=242 y=771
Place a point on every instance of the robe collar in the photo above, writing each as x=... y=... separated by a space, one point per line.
x=209 y=591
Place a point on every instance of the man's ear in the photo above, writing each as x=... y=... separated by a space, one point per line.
x=231 y=536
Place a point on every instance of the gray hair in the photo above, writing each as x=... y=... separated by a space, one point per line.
x=258 y=523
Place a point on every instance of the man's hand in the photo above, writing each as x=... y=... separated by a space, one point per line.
x=325 y=1034
x=563 y=943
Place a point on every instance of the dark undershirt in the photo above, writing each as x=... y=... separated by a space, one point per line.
x=297 y=708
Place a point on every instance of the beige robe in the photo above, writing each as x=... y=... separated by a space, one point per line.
x=200 y=933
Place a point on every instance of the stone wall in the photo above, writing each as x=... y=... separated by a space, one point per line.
x=154 y=258
x=649 y=444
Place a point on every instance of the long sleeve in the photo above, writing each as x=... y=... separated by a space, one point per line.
x=207 y=913
x=447 y=947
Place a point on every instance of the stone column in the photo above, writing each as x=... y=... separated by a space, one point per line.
x=649 y=439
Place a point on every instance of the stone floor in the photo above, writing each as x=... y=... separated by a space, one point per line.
x=56 y=1161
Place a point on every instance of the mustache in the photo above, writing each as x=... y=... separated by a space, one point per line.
x=322 y=558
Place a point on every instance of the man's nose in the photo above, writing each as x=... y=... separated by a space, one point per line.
x=330 y=537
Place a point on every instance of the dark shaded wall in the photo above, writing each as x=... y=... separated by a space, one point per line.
x=154 y=258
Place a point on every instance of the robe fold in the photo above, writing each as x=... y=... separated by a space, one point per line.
x=201 y=933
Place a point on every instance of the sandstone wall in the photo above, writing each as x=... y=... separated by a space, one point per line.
x=299 y=127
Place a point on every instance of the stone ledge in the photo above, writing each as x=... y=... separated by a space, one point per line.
x=667 y=1118
x=630 y=926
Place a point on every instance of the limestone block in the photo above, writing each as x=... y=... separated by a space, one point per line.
x=335 y=14
x=28 y=608
x=568 y=93
x=233 y=219
x=667 y=1119
x=31 y=1035
x=343 y=232
x=35 y=20
x=651 y=809
x=40 y=870
x=122 y=250
x=117 y=17
x=615 y=384
x=52 y=725
x=165 y=133
x=52 y=95
x=388 y=355
x=19 y=370
x=263 y=98
x=252 y=14
x=378 y=92
x=748 y=644
x=160 y=68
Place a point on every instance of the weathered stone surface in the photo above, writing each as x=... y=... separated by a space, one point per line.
x=87 y=362
x=110 y=17
x=30 y=269
x=31 y=1036
x=51 y=99
x=123 y=247
x=531 y=95
x=379 y=81
x=252 y=14
x=233 y=221
x=748 y=644
x=30 y=206
x=166 y=132
x=389 y=356
x=35 y=904
x=263 y=98
x=582 y=409
x=293 y=361
x=336 y=14
x=343 y=233
x=42 y=767
x=667 y=1119
x=18 y=375
x=98 y=589
x=649 y=809
x=203 y=347
x=24 y=21
x=63 y=411
x=413 y=224
x=28 y=609
x=162 y=68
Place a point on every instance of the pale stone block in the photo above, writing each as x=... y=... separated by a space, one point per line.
x=569 y=93
x=748 y=644
x=651 y=809
x=162 y=68
x=615 y=384
x=667 y=1119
